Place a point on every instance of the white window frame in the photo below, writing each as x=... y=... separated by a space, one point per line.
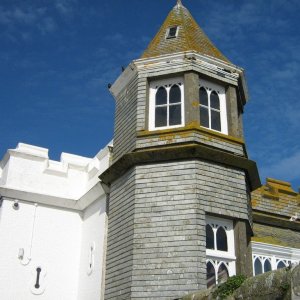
x=167 y=37
x=167 y=84
x=217 y=257
x=210 y=87
x=274 y=254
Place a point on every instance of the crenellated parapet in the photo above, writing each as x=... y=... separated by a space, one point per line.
x=27 y=173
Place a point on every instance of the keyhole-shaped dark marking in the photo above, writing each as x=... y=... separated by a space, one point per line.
x=91 y=256
x=38 y=272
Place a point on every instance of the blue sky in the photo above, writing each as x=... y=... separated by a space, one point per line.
x=57 y=57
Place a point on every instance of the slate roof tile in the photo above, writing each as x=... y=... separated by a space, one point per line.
x=276 y=197
x=276 y=236
x=190 y=37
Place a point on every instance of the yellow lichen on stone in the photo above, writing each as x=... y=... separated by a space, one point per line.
x=190 y=37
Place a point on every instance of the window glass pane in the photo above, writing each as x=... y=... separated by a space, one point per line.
x=222 y=273
x=203 y=96
x=172 y=32
x=267 y=266
x=214 y=100
x=175 y=94
x=160 y=116
x=222 y=239
x=215 y=120
x=257 y=267
x=204 y=116
x=161 y=96
x=175 y=115
x=210 y=275
x=281 y=265
x=209 y=237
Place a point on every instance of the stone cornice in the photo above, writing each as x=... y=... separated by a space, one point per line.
x=193 y=55
x=183 y=62
x=78 y=204
x=274 y=220
x=181 y=152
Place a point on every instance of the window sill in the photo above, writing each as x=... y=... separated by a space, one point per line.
x=158 y=129
x=215 y=131
x=220 y=254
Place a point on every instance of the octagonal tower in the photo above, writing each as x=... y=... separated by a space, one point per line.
x=179 y=211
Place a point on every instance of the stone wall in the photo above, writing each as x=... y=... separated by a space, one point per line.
x=125 y=119
x=120 y=238
x=156 y=231
x=282 y=284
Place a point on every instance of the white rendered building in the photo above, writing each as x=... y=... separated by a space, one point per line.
x=52 y=225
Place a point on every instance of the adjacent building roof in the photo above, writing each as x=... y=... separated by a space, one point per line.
x=276 y=214
x=278 y=198
x=189 y=36
x=276 y=236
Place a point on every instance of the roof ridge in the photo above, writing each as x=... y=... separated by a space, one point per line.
x=183 y=21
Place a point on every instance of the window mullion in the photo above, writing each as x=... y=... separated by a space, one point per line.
x=168 y=106
x=215 y=238
x=216 y=271
x=209 y=110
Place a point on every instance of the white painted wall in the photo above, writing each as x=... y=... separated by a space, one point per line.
x=30 y=169
x=55 y=248
x=91 y=285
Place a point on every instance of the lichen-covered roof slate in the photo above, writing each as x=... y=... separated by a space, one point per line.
x=276 y=236
x=190 y=37
x=276 y=197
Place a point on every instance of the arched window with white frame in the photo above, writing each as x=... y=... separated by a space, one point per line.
x=220 y=252
x=258 y=268
x=281 y=264
x=212 y=103
x=166 y=105
x=269 y=257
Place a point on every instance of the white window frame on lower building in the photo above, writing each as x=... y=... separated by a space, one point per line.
x=217 y=257
x=277 y=256
x=167 y=84
x=220 y=90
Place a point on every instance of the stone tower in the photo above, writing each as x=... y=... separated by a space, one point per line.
x=179 y=212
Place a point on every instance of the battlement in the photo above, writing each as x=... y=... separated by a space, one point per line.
x=27 y=168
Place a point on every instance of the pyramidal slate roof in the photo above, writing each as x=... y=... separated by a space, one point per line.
x=190 y=36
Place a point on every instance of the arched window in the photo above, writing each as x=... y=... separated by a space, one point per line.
x=267 y=257
x=175 y=105
x=209 y=237
x=161 y=96
x=210 y=275
x=161 y=107
x=215 y=111
x=267 y=266
x=204 y=115
x=220 y=254
x=222 y=273
x=222 y=239
x=212 y=103
x=281 y=265
x=166 y=104
x=257 y=267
